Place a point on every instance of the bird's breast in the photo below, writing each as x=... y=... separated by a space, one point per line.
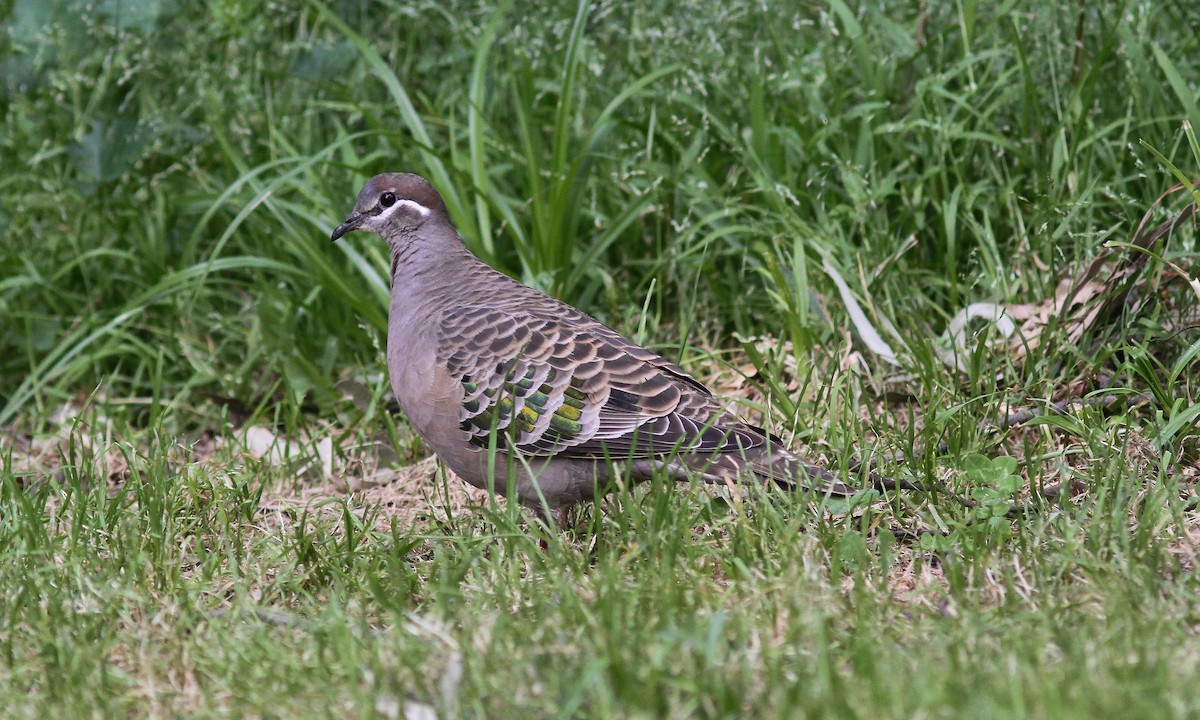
x=429 y=397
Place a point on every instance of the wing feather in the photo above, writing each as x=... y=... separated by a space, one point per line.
x=569 y=386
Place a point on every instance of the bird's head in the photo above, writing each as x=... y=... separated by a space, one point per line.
x=393 y=204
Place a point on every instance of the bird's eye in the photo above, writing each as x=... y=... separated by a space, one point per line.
x=387 y=199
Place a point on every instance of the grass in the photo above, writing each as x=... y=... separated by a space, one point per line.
x=185 y=353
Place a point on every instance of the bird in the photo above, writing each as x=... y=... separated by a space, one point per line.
x=524 y=395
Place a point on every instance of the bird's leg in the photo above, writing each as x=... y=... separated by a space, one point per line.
x=555 y=520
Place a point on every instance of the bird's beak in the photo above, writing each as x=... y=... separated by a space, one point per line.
x=356 y=218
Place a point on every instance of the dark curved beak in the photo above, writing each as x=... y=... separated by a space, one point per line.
x=352 y=223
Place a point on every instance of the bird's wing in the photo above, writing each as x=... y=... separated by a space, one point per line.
x=563 y=384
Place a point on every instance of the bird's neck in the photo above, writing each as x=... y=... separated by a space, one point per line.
x=426 y=274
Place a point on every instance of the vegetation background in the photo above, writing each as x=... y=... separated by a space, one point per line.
x=200 y=513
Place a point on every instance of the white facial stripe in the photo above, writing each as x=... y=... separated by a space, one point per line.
x=411 y=205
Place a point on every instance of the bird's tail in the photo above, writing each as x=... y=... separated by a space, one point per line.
x=789 y=471
x=769 y=463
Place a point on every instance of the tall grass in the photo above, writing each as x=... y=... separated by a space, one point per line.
x=596 y=152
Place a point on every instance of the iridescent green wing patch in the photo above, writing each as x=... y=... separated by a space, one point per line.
x=535 y=410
